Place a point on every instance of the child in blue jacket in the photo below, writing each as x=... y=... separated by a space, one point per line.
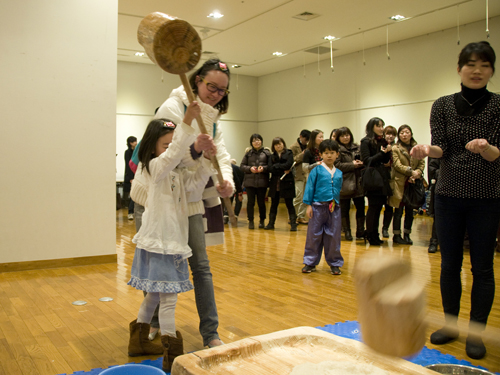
x=322 y=196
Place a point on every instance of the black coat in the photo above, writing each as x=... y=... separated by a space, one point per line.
x=351 y=176
x=256 y=158
x=277 y=166
x=238 y=177
x=371 y=152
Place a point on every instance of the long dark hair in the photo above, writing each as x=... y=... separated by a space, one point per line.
x=369 y=129
x=343 y=131
x=130 y=140
x=311 y=145
x=412 y=140
x=212 y=64
x=276 y=141
x=155 y=130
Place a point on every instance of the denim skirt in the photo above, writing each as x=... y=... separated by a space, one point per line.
x=153 y=272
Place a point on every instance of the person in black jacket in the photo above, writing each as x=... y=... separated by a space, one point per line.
x=282 y=183
x=238 y=176
x=349 y=164
x=433 y=175
x=255 y=166
x=375 y=152
x=129 y=175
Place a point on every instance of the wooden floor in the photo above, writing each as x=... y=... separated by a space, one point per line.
x=258 y=285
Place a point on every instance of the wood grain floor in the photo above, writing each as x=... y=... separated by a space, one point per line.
x=259 y=289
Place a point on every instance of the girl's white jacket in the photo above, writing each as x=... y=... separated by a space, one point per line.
x=165 y=223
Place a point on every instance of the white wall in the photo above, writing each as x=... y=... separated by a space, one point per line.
x=400 y=90
x=144 y=87
x=57 y=115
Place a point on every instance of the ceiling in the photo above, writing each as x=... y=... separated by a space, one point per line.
x=252 y=30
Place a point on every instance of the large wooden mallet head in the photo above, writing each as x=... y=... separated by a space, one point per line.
x=391 y=306
x=171 y=43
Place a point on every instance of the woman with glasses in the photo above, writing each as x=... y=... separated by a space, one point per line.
x=465 y=129
x=210 y=84
x=255 y=165
x=405 y=170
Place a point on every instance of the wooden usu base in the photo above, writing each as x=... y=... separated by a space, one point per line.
x=279 y=352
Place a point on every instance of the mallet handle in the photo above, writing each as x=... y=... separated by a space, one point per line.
x=213 y=159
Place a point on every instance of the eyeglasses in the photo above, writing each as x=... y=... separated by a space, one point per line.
x=212 y=88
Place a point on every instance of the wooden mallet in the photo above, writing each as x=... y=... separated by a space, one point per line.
x=175 y=46
x=392 y=308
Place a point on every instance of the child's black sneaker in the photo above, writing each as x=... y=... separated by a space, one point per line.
x=335 y=270
x=308 y=269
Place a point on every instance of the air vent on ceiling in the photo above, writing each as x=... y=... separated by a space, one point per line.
x=306 y=16
x=319 y=50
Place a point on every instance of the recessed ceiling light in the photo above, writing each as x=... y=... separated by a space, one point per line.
x=329 y=37
x=215 y=15
x=278 y=54
x=235 y=66
x=140 y=54
x=397 y=17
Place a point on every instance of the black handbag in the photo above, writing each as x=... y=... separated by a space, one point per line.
x=371 y=179
x=414 y=194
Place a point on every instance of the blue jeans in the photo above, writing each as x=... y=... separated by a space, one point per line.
x=480 y=218
x=202 y=280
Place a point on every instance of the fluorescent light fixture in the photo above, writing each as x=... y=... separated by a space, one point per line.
x=329 y=37
x=140 y=54
x=397 y=17
x=235 y=66
x=278 y=54
x=215 y=15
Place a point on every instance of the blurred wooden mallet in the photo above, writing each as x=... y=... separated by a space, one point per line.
x=392 y=308
x=175 y=46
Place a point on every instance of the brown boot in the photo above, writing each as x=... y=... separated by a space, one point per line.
x=139 y=343
x=173 y=347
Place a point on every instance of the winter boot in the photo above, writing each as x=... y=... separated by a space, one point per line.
x=293 y=223
x=433 y=246
x=360 y=228
x=173 y=347
x=272 y=219
x=139 y=343
x=346 y=228
x=398 y=239
x=407 y=239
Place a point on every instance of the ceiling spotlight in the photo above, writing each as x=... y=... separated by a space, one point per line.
x=140 y=54
x=215 y=15
x=397 y=17
x=235 y=66
x=278 y=54
x=329 y=37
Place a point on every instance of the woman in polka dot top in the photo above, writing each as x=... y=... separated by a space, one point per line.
x=465 y=129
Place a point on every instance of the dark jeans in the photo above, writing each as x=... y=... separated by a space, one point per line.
x=375 y=203
x=261 y=202
x=480 y=218
x=398 y=215
x=388 y=213
x=276 y=201
x=345 y=207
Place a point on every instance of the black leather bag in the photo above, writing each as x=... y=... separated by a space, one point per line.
x=371 y=179
x=414 y=194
